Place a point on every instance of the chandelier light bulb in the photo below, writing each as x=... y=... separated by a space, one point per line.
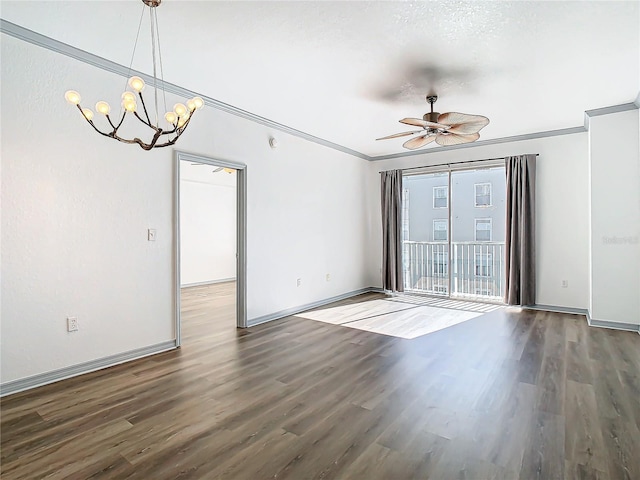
x=181 y=122
x=128 y=97
x=136 y=83
x=103 y=108
x=88 y=113
x=129 y=106
x=180 y=109
x=72 y=97
x=191 y=105
x=171 y=117
x=198 y=102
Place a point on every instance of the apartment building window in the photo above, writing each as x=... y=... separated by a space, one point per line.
x=440 y=233
x=483 y=230
x=483 y=194
x=484 y=265
x=440 y=197
x=440 y=264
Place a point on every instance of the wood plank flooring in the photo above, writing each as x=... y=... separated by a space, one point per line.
x=507 y=395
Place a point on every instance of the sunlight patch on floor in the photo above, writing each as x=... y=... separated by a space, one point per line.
x=396 y=318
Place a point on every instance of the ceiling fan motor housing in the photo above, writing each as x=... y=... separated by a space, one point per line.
x=431 y=117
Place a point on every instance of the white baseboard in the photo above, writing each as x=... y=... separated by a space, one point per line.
x=208 y=282
x=592 y=322
x=41 y=379
x=301 y=308
x=629 y=327
x=558 y=309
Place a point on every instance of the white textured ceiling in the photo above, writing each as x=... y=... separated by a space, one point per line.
x=348 y=71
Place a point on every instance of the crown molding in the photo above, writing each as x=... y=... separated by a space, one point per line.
x=53 y=45
x=612 y=109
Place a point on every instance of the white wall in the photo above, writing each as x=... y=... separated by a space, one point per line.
x=207 y=224
x=561 y=211
x=615 y=217
x=76 y=208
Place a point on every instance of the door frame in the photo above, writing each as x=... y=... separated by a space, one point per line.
x=241 y=234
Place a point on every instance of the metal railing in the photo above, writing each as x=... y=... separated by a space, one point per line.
x=477 y=268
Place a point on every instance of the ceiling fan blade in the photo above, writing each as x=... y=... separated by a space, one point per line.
x=414 y=121
x=437 y=125
x=418 y=142
x=423 y=123
x=396 y=135
x=455 y=139
x=463 y=123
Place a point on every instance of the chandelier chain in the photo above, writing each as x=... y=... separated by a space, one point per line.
x=133 y=53
x=153 y=55
x=164 y=93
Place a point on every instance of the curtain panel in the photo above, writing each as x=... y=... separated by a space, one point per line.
x=391 y=195
x=520 y=233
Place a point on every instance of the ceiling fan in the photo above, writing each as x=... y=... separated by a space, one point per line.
x=219 y=169
x=446 y=129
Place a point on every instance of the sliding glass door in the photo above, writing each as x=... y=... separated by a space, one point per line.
x=425 y=232
x=453 y=233
x=477 y=240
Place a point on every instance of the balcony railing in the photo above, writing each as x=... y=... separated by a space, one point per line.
x=477 y=268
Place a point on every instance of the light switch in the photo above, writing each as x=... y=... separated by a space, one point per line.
x=151 y=234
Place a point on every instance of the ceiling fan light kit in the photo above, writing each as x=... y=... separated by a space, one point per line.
x=177 y=119
x=451 y=128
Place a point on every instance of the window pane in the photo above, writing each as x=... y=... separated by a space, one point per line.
x=483 y=194
x=440 y=197
x=483 y=230
x=440 y=230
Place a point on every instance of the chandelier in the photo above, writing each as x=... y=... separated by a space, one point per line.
x=177 y=119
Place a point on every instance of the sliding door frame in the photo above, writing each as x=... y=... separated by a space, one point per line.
x=449 y=168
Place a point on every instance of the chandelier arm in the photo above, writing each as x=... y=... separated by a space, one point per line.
x=145 y=110
x=148 y=124
x=121 y=120
x=90 y=122
x=99 y=131
x=169 y=143
x=184 y=127
x=115 y=129
x=143 y=145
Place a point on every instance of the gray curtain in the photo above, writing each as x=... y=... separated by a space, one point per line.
x=391 y=194
x=520 y=246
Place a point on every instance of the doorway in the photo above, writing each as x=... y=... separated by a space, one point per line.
x=222 y=252
x=453 y=232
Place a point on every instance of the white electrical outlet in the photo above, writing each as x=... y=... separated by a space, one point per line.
x=72 y=324
x=564 y=284
x=151 y=234
x=299 y=282
x=328 y=277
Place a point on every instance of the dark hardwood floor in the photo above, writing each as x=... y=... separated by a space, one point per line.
x=507 y=395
